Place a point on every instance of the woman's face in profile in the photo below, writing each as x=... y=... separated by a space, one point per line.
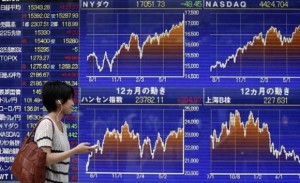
x=67 y=106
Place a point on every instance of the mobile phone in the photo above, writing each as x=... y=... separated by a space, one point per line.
x=94 y=146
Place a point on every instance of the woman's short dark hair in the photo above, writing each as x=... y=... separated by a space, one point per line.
x=53 y=91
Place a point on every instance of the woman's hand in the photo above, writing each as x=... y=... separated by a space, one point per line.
x=84 y=148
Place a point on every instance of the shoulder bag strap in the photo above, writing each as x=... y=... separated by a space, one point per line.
x=34 y=129
x=51 y=123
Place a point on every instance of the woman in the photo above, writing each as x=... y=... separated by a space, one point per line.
x=51 y=133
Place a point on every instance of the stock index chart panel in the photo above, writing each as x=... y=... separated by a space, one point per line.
x=169 y=91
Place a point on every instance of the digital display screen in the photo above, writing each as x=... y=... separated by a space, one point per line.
x=169 y=90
